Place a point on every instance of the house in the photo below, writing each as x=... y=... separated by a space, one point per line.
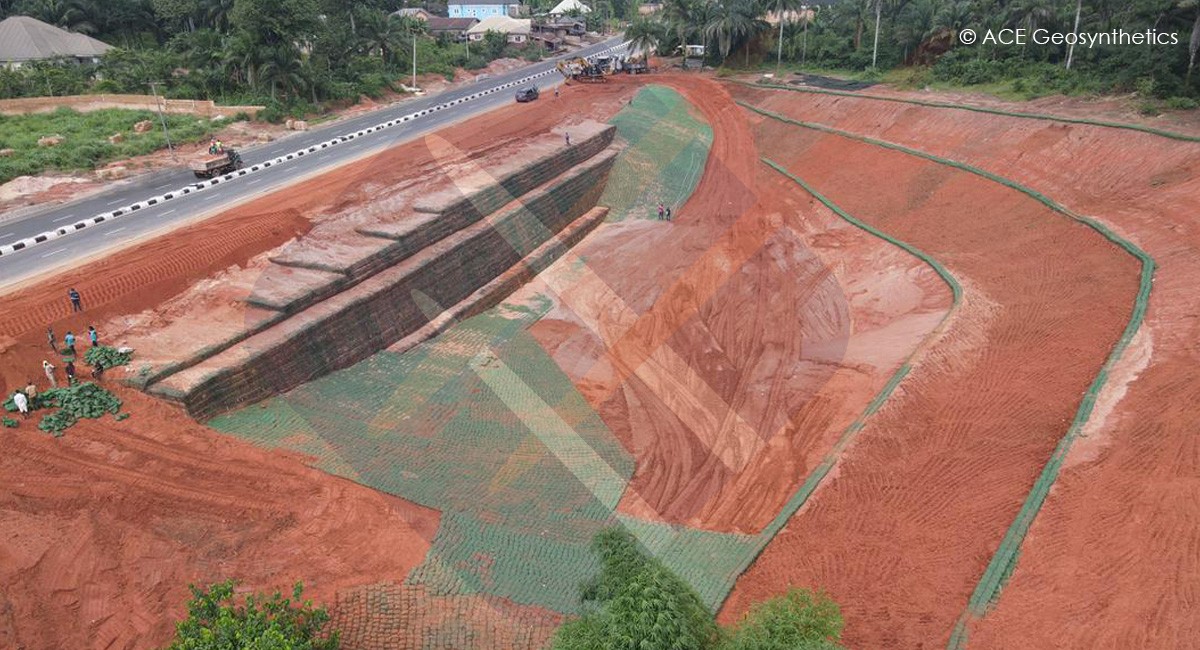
x=648 y=8
x=484 y=8
x=516 y=30
x=413 y=12
x=25 y=39
x=570 y=7
x=560 y=26
x=550 y=42
x=455 y=28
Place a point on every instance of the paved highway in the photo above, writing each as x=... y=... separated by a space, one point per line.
x=94 y=240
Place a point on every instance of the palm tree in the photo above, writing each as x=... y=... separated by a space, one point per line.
x=680 y=15
x=216 y=14
x=782 y=7
x=735 y=21
x=283 y=69
x=643 y=36
x=381 y=33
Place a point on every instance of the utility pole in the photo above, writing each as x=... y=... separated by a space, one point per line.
x=414 y=84
x=162 y=118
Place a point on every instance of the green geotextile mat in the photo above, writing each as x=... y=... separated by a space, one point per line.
x=666 y=148
x=480 y=424
x=1003 y=562
x=982 y=109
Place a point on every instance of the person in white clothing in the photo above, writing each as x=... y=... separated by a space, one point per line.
x=22 y=403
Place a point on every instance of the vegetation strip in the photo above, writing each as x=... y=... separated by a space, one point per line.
x=980 y=109
x=1003 y=562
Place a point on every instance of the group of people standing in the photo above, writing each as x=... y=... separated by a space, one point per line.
x=664 y=212
x=23 y=398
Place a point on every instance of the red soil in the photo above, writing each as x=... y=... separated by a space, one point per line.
x=750 y=334
x=103 y=529
x=902 y=533
x=1110 y=560
x=155 y=501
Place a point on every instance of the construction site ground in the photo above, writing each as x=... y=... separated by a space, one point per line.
x=874 y=333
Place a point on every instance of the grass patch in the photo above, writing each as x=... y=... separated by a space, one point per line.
x=85 y=144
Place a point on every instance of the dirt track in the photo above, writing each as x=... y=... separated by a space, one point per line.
x=901 y=535
x=156 y=501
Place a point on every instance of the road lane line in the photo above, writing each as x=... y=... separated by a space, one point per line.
x=63 y=218
x=114 y=231
x=54 y=252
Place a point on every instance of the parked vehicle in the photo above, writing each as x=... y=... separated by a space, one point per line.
x=215 y=164
x=527 y=94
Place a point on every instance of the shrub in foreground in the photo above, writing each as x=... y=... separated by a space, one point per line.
x=637 y=603
x=216 y=621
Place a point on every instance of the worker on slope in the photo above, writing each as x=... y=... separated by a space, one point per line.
x=22 y=403
x=49 y=370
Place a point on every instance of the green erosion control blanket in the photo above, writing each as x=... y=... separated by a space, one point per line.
x=667 y=149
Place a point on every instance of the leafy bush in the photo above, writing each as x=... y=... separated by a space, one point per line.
x=8 y=422
x=216 y=621
x=106 y=357
x=1182 y=103
x=798 y=620
x=637 y=603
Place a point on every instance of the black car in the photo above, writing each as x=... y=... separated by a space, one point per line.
x=527 y=94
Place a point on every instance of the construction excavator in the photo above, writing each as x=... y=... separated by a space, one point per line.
x=584 y=71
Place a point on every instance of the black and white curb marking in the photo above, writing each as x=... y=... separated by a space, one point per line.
x=50 y=235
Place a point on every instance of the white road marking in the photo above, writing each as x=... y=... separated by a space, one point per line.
x=254 y=180
x=63 y=218
x=168 y=212
x=114 y=201
x=114 y=231
x=53 y=252
x=8 y=234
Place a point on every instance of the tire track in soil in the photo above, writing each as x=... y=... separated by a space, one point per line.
x=1111 y=560
x=902 y=533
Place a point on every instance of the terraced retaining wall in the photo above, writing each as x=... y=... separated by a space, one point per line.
x=395 y=303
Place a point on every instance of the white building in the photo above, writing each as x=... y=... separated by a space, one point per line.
x=515 y=29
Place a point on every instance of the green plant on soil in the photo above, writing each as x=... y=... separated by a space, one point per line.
x=9 y=423
x=85 y=139
x=86 y=400
x=106 y=357
x=217 y=621
x=637 y=603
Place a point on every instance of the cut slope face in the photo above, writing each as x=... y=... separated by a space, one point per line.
x=902 y=533
x=1109 y=561
x=512 y=423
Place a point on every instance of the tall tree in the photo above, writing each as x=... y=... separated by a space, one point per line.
x=782 y=8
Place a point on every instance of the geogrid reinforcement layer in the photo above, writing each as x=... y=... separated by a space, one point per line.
x=1004 y=560
x=386 y=307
